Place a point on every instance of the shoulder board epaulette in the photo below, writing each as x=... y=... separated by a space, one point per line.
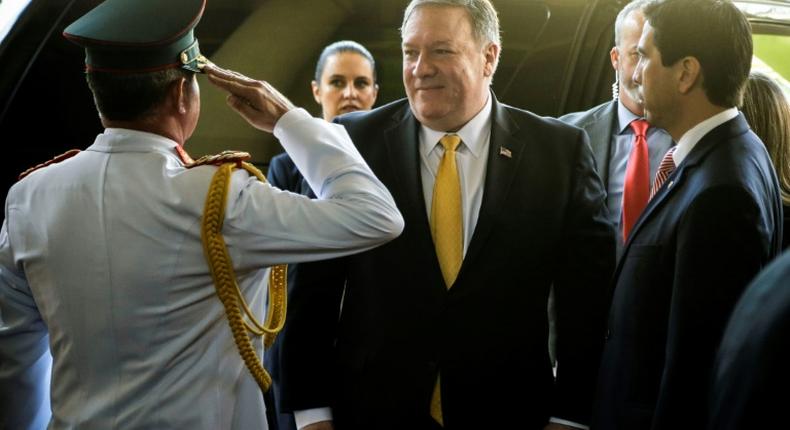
x=64 y=156
x=221 y=158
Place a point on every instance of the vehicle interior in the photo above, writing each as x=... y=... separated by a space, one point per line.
x=554 y=60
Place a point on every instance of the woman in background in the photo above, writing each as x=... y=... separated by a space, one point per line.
x=768 y=111
x=345 y=81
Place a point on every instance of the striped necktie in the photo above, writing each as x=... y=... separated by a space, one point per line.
x=665 y=169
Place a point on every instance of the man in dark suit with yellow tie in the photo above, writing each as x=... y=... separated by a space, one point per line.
x=448 y=325
x=714 y=221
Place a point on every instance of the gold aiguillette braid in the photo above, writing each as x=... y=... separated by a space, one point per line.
x=230 y=295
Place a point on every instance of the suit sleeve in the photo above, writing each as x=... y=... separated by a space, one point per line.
x=585 y=266
x=277 y=174
x=722 y=242
x=25 y=360
x=308 y=338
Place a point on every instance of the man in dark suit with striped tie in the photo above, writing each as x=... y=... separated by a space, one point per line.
x=625 y=165
x=713 y=222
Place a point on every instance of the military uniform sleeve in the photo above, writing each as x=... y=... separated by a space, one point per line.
x=25 y=360
x=354 y=212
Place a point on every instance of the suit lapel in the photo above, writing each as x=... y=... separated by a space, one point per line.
x=402 y=142
x=600 y=131
x=500 y=171
x=673 y=182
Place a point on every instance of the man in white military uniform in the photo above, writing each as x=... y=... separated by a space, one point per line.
x=103 y=280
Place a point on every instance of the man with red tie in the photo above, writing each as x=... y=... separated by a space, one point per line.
x=627 y=148
x=713 y=222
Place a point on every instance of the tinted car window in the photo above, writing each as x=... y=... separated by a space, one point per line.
x=554 y=60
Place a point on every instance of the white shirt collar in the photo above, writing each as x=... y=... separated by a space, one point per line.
x=690 y=139
x=474 y=133
x=625 y=117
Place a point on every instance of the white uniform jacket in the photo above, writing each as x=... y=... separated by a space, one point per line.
x=101 y=263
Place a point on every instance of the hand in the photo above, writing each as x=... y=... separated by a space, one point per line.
x=321 y=425
x=555 y=426
x=256 y=101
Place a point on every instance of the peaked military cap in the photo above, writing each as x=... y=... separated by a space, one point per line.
x=137 y=36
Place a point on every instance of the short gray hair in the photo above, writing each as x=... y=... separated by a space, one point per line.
x=634 y=6
x=483 y=16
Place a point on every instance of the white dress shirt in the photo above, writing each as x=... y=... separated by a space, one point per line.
x=471 y=158
x=690 y=138
x=101 y=262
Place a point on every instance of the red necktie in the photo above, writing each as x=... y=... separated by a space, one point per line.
x=636 y=190
x=664 y=170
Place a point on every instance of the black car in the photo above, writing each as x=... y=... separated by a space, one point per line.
x=555 y=60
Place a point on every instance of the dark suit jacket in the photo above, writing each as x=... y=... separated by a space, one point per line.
x=284 y=175
x=752 y=372
x=599 y=123
x=708 y=231
x=542 y=220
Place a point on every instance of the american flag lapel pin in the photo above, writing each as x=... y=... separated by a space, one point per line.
x=505 y=152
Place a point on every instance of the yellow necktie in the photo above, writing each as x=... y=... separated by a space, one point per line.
x=448 y=233
x=446 y=213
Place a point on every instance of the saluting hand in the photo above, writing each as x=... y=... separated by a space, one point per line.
x=256 y=101
x=555 y=426
x=321 y=425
